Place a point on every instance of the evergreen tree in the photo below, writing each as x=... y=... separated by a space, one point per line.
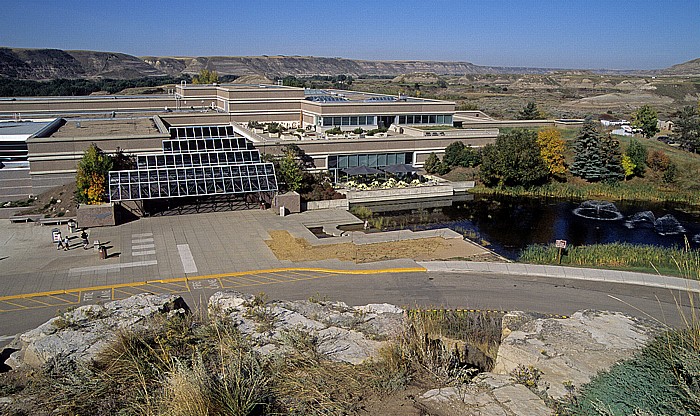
x=611 y=155
x=530 y=112
x=431 y=163
x=638 y=154
x=687 y=128
x=453 y=154
x=588 y=163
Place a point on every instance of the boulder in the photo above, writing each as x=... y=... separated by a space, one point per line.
x=82 y=332
x=487 y=395
x=339 y=332
x=569 y=352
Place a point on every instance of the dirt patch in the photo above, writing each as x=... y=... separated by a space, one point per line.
x=56 y=202
x=286 y=247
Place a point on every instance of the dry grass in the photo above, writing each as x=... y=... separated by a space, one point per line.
x=286 y=247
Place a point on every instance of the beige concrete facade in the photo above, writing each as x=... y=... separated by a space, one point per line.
x=53 y=159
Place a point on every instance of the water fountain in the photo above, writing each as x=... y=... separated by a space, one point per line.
x=598 y=210
x=641 y=219
x=668 y=225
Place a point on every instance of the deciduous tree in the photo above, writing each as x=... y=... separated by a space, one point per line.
x=206 y=77
x=646 y=119
x=552 y=150
x=91 y=176
x=514 y=159
x=627 y=166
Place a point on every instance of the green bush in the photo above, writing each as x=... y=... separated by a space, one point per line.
x=335 y=130
x=663 y=379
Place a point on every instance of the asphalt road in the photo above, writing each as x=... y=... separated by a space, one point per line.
x=448 y=290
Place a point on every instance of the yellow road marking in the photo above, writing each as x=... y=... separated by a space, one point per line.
x=184 y=284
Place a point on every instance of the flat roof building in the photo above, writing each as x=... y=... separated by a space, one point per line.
x=144 y=125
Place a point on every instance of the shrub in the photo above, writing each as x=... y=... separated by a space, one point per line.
x=662 y=379
x=658 y=160
x=335 y=130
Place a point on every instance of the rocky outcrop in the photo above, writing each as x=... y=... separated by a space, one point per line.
x=83 y=332
x=539 y=358
x=341 y=333
x=487 y=395
x=552 y=356
x=569 y=352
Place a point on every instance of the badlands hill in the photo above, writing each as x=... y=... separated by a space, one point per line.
x=46 y=64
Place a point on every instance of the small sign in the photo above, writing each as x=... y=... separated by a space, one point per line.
x=560 y=244
x=56 y=235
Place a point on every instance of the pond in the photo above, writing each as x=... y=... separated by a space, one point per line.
x=507 y=225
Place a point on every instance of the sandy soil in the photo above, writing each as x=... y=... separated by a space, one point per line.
x=287 y=247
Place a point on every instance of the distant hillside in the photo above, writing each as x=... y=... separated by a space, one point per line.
x=686 y=68
x=46 y=64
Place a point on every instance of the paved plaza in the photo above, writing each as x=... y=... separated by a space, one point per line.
x=166 y=247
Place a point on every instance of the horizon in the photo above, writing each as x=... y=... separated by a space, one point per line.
x=502 y=34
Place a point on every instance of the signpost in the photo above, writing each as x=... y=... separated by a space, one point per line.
x=561 y=245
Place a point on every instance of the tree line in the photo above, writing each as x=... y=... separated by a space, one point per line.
x=522 y=157
x=76 y=87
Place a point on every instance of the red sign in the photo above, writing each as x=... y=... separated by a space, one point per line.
x=560 y=244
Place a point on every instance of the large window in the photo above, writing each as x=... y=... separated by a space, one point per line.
x=374 y=160
x=347 y=121
x=425 y=119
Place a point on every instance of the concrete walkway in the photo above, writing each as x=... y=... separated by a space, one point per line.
x=565 y=272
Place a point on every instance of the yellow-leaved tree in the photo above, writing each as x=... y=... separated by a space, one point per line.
x=206 y=77
x=552 y=150
x=91 y=176
x=628 y=166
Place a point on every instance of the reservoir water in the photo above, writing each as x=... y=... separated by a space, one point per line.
x=507 y=225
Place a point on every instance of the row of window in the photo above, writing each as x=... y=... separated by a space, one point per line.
x=376 y=160
x=348 y=121
x=199 y=132
x=168 y=183
x=205 y=145
x=197 y=159
x=425 y=119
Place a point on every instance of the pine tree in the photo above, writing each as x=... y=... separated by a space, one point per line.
x=638 y=154
x=530 y=112
x=588 y=163
x=611 y=155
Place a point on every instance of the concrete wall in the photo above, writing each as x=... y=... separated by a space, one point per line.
x=356 y=197
x=328 y=204
x=84 y=105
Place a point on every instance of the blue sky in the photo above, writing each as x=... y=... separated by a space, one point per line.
x=613 y=34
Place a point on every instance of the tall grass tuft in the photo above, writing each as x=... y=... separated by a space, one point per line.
x=620 y=256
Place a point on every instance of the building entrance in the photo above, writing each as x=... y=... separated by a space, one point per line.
x=385 y=121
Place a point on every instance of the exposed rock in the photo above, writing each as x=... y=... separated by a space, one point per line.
x=340 y=332
x=487 y=395
x=573 y=350
x=84 y=331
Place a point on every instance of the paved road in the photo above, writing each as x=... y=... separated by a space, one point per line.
x=414 y=289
